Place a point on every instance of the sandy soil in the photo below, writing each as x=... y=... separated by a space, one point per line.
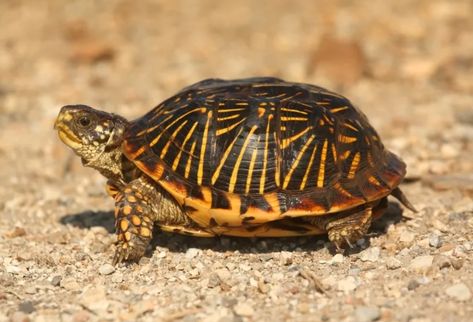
x=407 y=64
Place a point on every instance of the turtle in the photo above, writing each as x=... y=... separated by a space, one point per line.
x=254 y=157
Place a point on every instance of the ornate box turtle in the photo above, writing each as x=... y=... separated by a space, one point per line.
x=249 y=157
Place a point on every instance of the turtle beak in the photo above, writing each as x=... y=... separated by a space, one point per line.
x=65 y=133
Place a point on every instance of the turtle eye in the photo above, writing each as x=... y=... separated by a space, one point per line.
x=84 y=121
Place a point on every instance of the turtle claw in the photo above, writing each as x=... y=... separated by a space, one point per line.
x=349 y=243
x=121 y=255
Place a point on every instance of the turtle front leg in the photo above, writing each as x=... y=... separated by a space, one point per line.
x=134 y=217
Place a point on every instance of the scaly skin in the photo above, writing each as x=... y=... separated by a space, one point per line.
x=96 y=137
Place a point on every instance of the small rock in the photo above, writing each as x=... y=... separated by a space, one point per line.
x=26 y=307
x=367 y=314
x=70 y=284
x=192 y=252
x=285 y=258
x=337 y=259
x=347 y=284
x=434 y=240
x=30 y=290
x=412 y=285
x=56 y=280
x=393 y=263
x=421 y=263
x=214 y=280
x=441 y=261
x=371 y=254
x=16 y=232
x=94 y=299
x=459 y=292
x=457 y=263
x=224 y=275
x=117 y=278
x=262 y=286
x=19 y=317
x=243 y=309
x=106 y=269
x=407 y=237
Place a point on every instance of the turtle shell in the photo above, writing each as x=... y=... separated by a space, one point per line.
x=252 y=151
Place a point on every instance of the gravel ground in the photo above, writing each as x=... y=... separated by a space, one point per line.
x=407 y=64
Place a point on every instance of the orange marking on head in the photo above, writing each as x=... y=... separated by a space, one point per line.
x=131 y=198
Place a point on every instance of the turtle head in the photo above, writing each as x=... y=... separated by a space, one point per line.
x=90 y=133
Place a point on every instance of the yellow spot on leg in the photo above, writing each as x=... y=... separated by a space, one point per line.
x=136 y=220
x=127 y=236
x=124 y=225
x=145 y=232
x=127 y=210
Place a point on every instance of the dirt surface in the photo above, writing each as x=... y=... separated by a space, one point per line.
x=407 y=64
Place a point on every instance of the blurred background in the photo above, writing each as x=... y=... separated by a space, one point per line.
x=407 y=64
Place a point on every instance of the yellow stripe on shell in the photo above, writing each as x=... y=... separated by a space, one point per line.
x=309 y=167
x=236 y=168
x=178 y=157
x=287 y=179
x=188 y=165
x=173 y=136
x=229 y=128
x=323 y=156
x=224 y=157
x=250 y=171
x=200 y=171
x=354 y=165
x=285 y=142
x=265 y=156
x=174 y=122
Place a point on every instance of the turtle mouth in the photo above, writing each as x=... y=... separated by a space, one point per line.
x=67 y=137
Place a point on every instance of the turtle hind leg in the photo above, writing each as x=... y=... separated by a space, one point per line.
x=346 y=228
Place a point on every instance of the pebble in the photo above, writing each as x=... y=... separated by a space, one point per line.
x=117 y=278
x=407 y=237
x=30 y=290
x=367 y=314
x=393 y=263
x=106 y=269
x=459 y=291
x=224 y=275
x=26 y=307
x=337 y=259
x=412 y=285
x=421 y=263
x=243 y=309
x=434 y=240
x=441 y=261
x=285 y=258
x=56 y=280
x=70 y=284
x=457 y=263
x=19 y=317
x=94 y=299
x=347 y=284
x=214 y=280
x=192 y=252
x=371 y=254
